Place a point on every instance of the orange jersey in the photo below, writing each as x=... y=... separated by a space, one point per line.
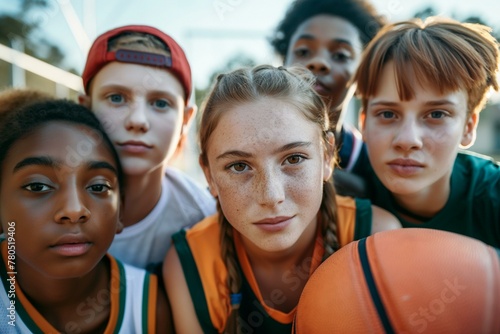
x=206 y=273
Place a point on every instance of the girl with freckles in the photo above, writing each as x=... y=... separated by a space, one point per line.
x=268 y=157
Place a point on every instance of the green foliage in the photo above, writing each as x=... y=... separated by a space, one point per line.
x=23 y=25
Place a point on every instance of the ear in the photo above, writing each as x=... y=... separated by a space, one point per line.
x=84 y=100
x=189 y=113
x=329 y=160
x=469 y=135
x=361 y=121
x=208 y=176
x=119 y=225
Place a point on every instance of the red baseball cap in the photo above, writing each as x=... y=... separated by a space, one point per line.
x=99 y=56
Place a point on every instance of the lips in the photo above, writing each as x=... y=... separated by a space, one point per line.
x=406 y=167
x=71 y=245
x=321 y=88
x=134 y=146
x=274 y=224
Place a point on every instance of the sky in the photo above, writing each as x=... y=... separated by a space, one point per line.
x=210 y=31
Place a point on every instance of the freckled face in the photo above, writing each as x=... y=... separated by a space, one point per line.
x=267 y=167
x=330 y=47
x=413 y=144
x=60 y=187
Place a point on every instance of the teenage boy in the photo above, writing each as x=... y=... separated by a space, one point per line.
x=137 y=80
x=422 y=86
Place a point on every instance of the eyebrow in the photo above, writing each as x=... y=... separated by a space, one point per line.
x=242 y=154
x=92 y=165
x=36 y=161
x=428 y=103
x=312 y=37
x=114 y=86
x=49 y=162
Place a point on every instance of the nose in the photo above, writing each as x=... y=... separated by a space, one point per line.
x=319 y=64
x=137 y=120
x=408 y=136
x=270 y=189
x=72 y=208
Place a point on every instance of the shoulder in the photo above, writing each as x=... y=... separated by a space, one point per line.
x=481 y=173
x=181 y=179
x=471 y=161
x=182 y=307
x=142 y=297
x=383 y=220
x=207 y=228
x=186 y=189
x=195 y=278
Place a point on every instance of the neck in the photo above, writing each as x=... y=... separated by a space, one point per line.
x=69 y=301
x=424 y=205
x=287 y=270
x=142 y=193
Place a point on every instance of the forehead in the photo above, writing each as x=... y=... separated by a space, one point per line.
x=263 y=122
x=72 y=144
x=387 y=87
x=327 y=27
x=137 y=77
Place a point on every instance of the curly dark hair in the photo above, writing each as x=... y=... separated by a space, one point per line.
x=360 y=13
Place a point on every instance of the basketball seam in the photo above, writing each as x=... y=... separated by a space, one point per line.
x=370 y=282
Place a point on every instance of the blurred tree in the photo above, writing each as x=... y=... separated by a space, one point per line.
x=424 y=13
x=19 y=29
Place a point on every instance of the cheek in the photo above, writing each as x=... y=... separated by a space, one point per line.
x=304 y=185
x=444 y=141
x=374 y=136
x=111 y=121
x=232 y=195
x=167 y=125
x=342 y=73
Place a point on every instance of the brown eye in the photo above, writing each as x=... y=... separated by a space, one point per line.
x=294 y=159
x=99 y=188
x=37 y=187
x=301 y=52
x=238 y=167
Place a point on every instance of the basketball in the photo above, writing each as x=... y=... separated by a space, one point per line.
x=410 y=280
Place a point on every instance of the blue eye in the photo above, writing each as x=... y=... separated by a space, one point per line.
x=161 y=104
x=37 y=187
x=437 y=114
x=387 y=114
x=116 y=98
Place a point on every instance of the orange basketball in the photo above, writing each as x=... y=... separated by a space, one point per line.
x=410 y=280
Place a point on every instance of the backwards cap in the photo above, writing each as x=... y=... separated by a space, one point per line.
x=99 y=56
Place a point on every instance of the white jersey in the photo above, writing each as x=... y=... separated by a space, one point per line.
x=182 y=203
x=132 y=296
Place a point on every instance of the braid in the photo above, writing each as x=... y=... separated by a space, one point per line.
x=234 y=278
x=328 y=211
